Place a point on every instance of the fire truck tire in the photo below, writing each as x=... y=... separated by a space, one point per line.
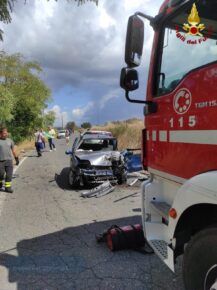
x=211 y=279
x=199 y=256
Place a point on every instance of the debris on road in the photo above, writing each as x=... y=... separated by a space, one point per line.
x=125 y=237
x=99 y=191
x=94 y=160
x=132 y=160
x=120 y=238
x=106 y=187
x=136 y=177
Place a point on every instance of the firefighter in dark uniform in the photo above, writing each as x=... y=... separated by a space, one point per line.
x=6 y=159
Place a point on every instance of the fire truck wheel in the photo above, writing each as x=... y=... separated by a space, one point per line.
x=200 y=255
x=211 y=279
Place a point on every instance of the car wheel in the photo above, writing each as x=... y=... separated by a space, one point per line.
x=72 y=179
x=200 y=257
x=122 y=178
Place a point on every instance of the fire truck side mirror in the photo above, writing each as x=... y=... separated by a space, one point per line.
x=129 y=80
x=134 y=41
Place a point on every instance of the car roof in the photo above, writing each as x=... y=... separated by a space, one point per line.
x=90 y=132
x=97 y=136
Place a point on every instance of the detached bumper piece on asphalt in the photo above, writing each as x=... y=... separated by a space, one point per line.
x=135 y=178
x=99 y=191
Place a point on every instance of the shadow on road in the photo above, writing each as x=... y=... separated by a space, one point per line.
x=71 y=259
x=34 y=153
x=62 y=179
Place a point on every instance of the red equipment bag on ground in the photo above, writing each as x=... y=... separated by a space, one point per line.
x=127 y=237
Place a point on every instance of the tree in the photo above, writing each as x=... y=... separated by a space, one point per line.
x=23 y=95
x=6 y=7
x=7 y=102
x=86 y=125
x=49 y=119
x=71 y=125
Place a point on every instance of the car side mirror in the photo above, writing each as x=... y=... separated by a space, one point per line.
x=115 y=145
x=129 y=79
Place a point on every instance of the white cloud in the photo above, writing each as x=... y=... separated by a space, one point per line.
x=93 y=107
x=111 y=95
x=43 y=18
x=61 y=117
x=77 y=47
x=105 y=20
x=78 y=113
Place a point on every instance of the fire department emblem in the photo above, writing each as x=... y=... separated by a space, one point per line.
x=194 y=27
x=182 y=101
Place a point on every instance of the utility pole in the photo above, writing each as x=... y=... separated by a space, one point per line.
x=62 y=120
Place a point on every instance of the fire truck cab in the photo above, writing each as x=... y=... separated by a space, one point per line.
x=179 y=201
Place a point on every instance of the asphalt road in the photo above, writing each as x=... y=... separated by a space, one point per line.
x=48 y=232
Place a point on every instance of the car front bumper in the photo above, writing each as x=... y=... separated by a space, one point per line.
x=97 y=175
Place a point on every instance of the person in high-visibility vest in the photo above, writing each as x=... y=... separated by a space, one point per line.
x=51 y=135
x=7 y=153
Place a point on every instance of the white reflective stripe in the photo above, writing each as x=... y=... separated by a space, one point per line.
x=154 y=135
x=147 y=135
x=163 y=136
x=194 y=136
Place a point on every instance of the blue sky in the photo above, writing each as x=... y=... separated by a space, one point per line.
x=81 y=51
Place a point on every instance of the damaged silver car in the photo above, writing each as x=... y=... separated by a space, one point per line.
x=95 y=159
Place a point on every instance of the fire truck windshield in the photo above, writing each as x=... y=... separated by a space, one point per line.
x=189 y=42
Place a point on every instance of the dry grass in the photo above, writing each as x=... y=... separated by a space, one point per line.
x=128 y=133
x=25 y=146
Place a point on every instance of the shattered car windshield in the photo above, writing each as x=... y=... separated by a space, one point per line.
x=97 y=144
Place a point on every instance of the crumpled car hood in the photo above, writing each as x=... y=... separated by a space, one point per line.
x=101 y=158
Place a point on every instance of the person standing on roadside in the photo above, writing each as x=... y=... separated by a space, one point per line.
x=7 y=152
x=67 y=134
x=44 y=138
x=51 y=135
x=39 y=139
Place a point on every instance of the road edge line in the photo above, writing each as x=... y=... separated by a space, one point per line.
x=4 y=196
x=17 y=167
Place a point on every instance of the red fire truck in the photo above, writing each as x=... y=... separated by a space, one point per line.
x=179 y=201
